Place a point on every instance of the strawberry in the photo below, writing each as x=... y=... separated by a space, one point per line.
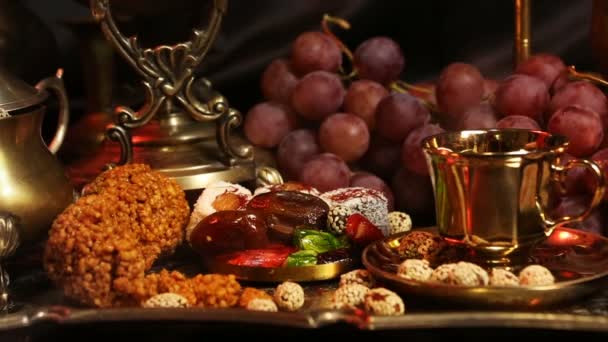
x=361 y=231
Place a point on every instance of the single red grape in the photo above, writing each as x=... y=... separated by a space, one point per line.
x=313 y=51
x=362 y=98
x=412 y=155
x=278 y=81
x=481 y=116
x=544 y=66
x=576 y=178
x=379 y=59
x=581 y=126
x=317 y=95
x=601 y=158
x=460 y=87
x=370 y=181
x=325 y=172
x=398 y=114
x=414 y=195
x=295 y=150
x=267 y=123
x=522 y=95
x=382 y=156
x=518 y=121
x=580 y=93
x=345 y=135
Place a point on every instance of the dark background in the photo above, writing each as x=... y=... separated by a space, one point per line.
x=432 y=34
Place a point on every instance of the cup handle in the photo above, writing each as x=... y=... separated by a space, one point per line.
x=559 y=174
x=55 y=85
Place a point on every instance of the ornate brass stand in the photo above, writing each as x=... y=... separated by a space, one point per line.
x=184 y=128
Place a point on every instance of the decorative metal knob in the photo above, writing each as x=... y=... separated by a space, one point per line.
x=9 y=241
x=266 y=175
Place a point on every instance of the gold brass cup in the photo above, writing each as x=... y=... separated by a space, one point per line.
x=493 y=188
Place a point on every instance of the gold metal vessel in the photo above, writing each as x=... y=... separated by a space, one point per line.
x=493 y=188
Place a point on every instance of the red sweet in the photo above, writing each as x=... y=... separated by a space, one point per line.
x=361 y=231
x=229 y=231
x=268 y=257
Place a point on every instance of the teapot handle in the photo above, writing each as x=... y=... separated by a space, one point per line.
x=55 y=85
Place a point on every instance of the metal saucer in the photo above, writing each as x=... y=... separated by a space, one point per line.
x=577 y=259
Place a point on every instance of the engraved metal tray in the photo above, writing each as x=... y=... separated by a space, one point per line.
x=40 y=304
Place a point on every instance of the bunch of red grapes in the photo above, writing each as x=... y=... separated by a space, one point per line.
x=332 y=130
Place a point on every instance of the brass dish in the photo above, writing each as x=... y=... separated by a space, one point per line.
x=280 y=274
x=577 y=259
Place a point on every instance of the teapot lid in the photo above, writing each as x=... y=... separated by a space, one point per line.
x=16 y=94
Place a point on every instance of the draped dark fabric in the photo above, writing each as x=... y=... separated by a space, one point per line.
x=432 y=34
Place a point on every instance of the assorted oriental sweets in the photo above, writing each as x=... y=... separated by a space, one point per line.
x=289 y=224
x=357 y=291
x=468 y=274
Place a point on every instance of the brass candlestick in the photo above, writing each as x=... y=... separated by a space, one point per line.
x=522 y=31
x=184 y=128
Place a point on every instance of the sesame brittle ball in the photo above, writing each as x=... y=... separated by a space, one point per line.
x=383 y=302
x=502 y=277
x=251 y=293
x=261 y=304
x=461 y=273
x=415 y=269
x=536 y=275
x=420 y=245
x=348 y=296
x=166 y=300
x=399 y=222
x=362 y=277
x=289 y=296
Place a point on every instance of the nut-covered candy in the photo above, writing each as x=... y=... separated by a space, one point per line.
x=166 y=300
x=536 y=275
x=289 y=296
x=420 y=245
x=361 y=276
x=502 y=277
x=399 y=222
x=261 y=304
x=351 y=295
x=383 y=302
x=337 y=217
x=462 y=273
x=368 y=202
x=415 y=269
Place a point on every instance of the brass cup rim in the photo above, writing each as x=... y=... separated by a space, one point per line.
x=439 y=144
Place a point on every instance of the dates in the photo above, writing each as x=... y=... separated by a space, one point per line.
x=291 y=209
x=230 y=231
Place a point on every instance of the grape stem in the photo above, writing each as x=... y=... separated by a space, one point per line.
x=586 y=76
x=342 y=23
x=404 y=87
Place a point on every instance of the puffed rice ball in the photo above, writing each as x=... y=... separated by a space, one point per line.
x=260 y=304
x=502 y=277
x=361 y=276
x=415 y=269
x=462 y=273
x=399 y=222
x=289 y=296
x=351 y=295
x=166 y=300
x=383 y=302
x=536 y=275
